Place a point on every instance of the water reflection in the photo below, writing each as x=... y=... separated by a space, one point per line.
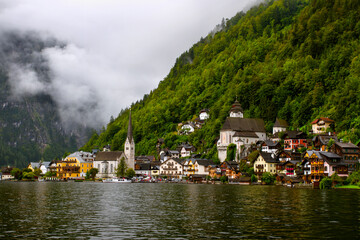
x=174 y=211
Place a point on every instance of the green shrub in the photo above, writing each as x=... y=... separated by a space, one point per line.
x=253 y=178
x=223 y=179
x=325 y=183
x=268 y=178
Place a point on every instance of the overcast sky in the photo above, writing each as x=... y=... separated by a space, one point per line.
x=117 y=50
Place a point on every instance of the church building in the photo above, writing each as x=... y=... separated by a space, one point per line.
x=243 y=132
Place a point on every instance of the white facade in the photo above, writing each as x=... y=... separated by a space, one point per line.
x=236 y=114
x=185 y=152
x=188 y=128
x=172 y=169
x=203 y=116
x=278 y=129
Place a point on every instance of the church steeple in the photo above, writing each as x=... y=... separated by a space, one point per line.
x=130 y=133
x=129 y=148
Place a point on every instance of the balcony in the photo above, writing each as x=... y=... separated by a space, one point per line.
x=260 y=167
x=172 y=169
x=75 y=169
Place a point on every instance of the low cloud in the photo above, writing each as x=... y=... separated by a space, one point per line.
x=100 y=56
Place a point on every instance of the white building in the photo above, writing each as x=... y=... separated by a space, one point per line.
x=172 y=168
x=107 y=163
x=204 y=114
x=280 y=126
x=243 y=132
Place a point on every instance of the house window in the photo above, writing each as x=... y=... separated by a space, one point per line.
x=127 y=148
x=325 y=168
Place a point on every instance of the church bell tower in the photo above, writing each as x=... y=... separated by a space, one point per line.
x=129 y=148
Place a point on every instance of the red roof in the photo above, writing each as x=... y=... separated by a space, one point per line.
x=322 y=118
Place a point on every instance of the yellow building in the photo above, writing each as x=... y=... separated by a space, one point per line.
x=74 y=166
x=266 y=162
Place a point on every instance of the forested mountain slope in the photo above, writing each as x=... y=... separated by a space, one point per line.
x=30 y=125
x=292 y=59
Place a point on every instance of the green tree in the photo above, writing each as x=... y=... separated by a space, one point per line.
x=93 y=172
x=253 y=156
x=28 y=175
x=87 y=175
x=121 y=169
x=130 y=173
x=231 y=152
x=268 y=178
x=16 y=173
x=49 y=174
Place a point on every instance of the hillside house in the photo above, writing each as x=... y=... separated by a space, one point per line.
x=294 y=140
x=270 y=146
x=321 y=141
x=320 y=125
x=280 y=126
x=230 y=169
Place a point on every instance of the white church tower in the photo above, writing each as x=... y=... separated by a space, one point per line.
x=236 y=110
x=129 y=147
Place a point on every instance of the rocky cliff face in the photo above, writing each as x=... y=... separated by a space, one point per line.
x=31 y=128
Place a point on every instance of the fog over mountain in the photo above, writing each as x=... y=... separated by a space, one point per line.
x=100 y=56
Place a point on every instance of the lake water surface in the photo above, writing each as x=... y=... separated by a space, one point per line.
x=86 y=210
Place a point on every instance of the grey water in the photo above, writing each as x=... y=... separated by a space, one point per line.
x=86 y=210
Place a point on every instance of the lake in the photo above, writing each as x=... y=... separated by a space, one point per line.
x=86 y=210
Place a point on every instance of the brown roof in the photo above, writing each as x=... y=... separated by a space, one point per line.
x=281 y=123
x=295 y=134
x=328 y=120
x=245 y=134
x=236 y=107
x=244 y=124
x=108 y=156
x=346 y=145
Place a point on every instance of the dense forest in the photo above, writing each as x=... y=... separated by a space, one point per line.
x=291 y=59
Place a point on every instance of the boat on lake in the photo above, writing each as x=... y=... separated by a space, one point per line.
x=116 y=180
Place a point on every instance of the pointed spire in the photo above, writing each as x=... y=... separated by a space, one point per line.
x=130 y=133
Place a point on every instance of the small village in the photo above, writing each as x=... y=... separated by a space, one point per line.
x=247 y=154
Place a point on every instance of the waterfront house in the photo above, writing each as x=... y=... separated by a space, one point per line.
x=349 y=153
x=202 y=166
x=143 y=169
x=189 y=168
x=265 y=162
x=214 y=171
x=33 y=165
x=155 y=169
x=320 y=125
x=294 y=140
x=325 y=164
x=172 y=168
x=6 y=173
x=75 y=165
x=45 y=167
x=230 y=169
x=243 y=132
x=280 y=126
